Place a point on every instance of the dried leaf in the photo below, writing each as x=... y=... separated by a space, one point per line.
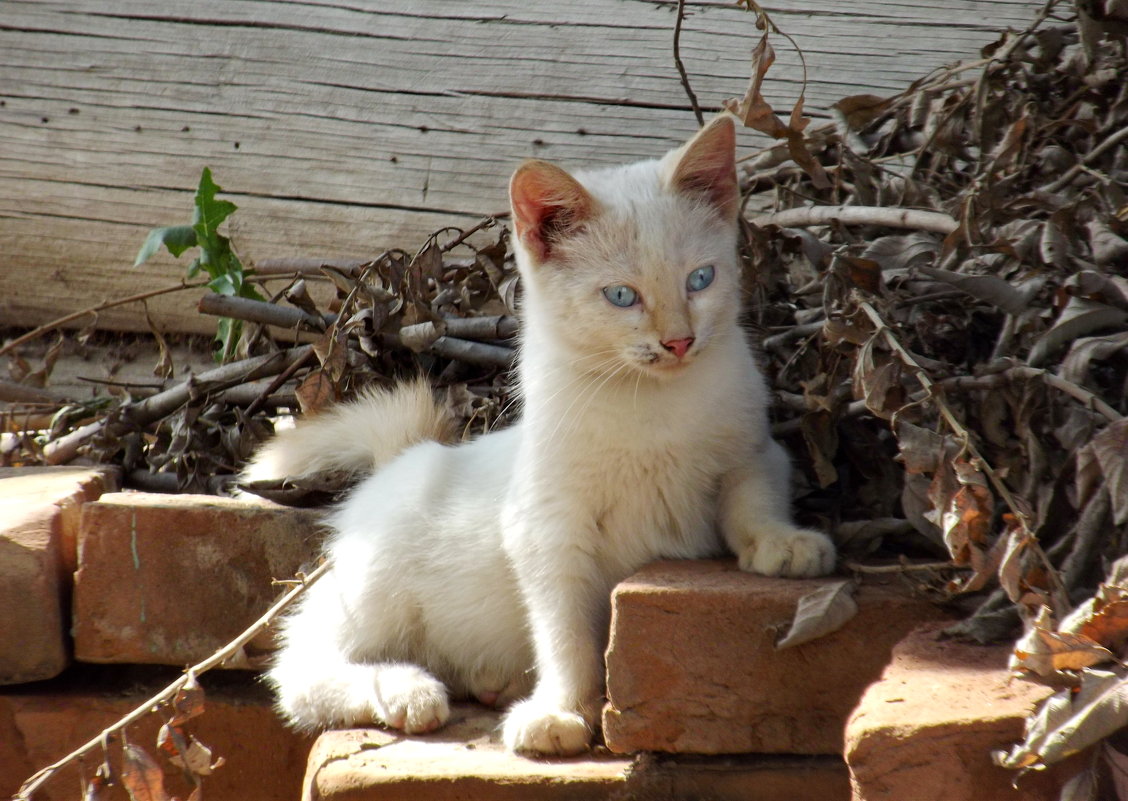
x=188 y=702
x=858 y=111
x=989 y=288
x=141 y=775
x=1100 y=708
x=1079 y=317
x=898 y=254
x=1045 y=652
x=315 y=393
x=821 y=612
x=98 y=788
x=1104 y=463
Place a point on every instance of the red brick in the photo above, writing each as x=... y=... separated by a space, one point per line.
x=926 y=730
x=169 y=579
x=39 y=513
x=466 y=760
x=692 y=666
x=41 y=723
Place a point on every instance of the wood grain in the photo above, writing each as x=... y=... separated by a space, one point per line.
x=342 y=128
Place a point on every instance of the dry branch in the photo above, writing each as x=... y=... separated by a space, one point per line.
x=46 y=328
x=257 y=311
x=61 y=451
x=934 y=221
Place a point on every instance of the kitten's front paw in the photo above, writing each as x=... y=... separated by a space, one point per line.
x=410 y=699
x=791 y=552
x=534 y=728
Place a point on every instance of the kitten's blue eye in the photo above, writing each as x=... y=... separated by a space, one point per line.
x=700 y=278
x=619 y=295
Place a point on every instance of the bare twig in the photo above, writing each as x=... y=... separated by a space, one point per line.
x=479 y=353
x=109 y=304
x=484 y=225
x=681 y=67
x=495 y=327
x=155 y=407
x=1098 y=151
x=1061 y=601
x=993 y=380
x=223 y=655
x=934 y=221
x=900 y=567
x=257 y=311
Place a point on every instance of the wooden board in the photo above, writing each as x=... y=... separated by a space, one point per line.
x=344 y=127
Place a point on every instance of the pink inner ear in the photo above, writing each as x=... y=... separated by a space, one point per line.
x=547 y=203
x=708 y=166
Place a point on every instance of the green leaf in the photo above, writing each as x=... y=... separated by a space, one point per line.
x=210 y=213
x=177 y=238
x=224 y=284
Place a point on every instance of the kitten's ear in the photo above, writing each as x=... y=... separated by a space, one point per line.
x=547 y=204
x=706 y=166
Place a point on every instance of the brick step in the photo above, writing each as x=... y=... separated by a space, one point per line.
x=40 y=510
x=42 y=722
x=466 y=760
x=169 y=579
x=692 y=665
x=927 y=728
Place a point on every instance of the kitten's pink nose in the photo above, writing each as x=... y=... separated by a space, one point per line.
x=678 y=347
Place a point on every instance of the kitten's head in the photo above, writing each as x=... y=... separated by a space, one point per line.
x=634 y=267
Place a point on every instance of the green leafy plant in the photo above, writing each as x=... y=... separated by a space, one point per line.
x=216 y=257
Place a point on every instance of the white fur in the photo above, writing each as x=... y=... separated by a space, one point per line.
x=477 y=569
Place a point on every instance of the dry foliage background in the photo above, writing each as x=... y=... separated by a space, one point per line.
x=940 y=284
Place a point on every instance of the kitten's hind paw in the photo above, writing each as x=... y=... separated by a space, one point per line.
x=531 y=727
x=790 y=552
x=411 y=699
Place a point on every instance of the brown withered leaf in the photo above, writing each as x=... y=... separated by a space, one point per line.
x=141 y=775
x=316 y=392
x=1068 y=724
x=877 y=379
x=858 y=111
x=756 y=113
x=188 y=702
x=98 y=788
x=1102 y=618
x=1079 y=317
x=821 y=612
x=186 y=752
x=1047 y=653
x=821 y=438
x=1104 y=463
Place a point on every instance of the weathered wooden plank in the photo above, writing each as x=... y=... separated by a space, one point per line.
x=341 y=128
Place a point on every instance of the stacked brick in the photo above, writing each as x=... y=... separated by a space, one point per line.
x=105 y=596
x=92 y=575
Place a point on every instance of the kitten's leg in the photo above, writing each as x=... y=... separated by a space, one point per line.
x=319 y=683
x=565 y=596
x=755 y=518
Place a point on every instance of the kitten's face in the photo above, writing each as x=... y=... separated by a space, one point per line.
x=633 y=268
x=644 y=285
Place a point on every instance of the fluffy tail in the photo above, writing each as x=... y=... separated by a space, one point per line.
x=355 y=437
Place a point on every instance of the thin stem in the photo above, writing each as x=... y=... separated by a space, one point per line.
x=1060 y=598
x=681 y=67
x=109 y=304
x=29 y=787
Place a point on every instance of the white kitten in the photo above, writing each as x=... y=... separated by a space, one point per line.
x=485 y=569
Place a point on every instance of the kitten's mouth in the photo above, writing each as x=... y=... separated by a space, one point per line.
x=670 y=366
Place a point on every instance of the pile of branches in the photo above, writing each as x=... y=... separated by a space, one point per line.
x=940 y=284
x=942 y=280
x=445 y=310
